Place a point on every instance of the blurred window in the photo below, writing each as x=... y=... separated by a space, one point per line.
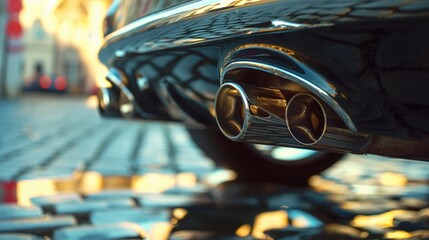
x=39 y=33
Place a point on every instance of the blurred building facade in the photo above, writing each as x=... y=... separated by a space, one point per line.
x=60 y=37
x=45 y=53
x=74 y=33
x=39 y=52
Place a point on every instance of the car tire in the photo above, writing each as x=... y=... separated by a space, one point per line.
x=250 y=165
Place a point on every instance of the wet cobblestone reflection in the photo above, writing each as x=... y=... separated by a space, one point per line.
x=66 y=174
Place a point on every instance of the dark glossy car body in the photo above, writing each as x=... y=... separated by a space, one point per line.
x=337 y=75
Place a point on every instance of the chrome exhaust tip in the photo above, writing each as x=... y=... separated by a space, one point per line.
x=108 y=102
x=232 y=110
x=312 y=123
x=306 y=119
x=252 y=114
x=117 y=100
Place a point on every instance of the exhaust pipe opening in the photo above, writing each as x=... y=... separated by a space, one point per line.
x=312 y=123
x=231 y=109
x=252 y=114
x=306 y=119
x=108 y=102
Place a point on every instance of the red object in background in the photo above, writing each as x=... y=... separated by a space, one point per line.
x=14 y=6
x=45 y=82
x=8 y=192
x=13 y=28
x=60 y=83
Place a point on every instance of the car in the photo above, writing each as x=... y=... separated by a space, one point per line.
x=275 y=90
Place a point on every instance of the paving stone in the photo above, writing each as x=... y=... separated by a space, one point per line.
x=109 y=231
x=18 y=236
x=48 y=202
x=414 y=203
x=111 y=194
x=12 y=211
x=136 y=215
x=9 y=173
x=158 y=158
x=172 y=200
x=142 y=171
x=82 y=209
x=12 y=148
x=333 y=232
x=300 y=218
x=292 y=233
x=191 y=190
x=69 y=163
x=111 y=170
x=38 y=226
x=53 y=173
x=196 y=235
x=288 y=200
x=198 y=170
x=24 y=161
x=235 y=194
x=410 y=222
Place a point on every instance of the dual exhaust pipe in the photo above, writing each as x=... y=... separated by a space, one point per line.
x=117 y=100
x=269 y=116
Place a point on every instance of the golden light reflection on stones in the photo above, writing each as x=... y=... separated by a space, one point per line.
x=345 y=230
x=26 y=189
x=153 y=182
x=160 y=231
x=180 y=213
x=244 y=230
x=384 y=220
x=397 y=235
x=324 y=185
x=269 y=220
x=393 y=179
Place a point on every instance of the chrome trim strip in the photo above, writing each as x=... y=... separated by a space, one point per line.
x=105 y=97
x=175 y=11
x=114 y=77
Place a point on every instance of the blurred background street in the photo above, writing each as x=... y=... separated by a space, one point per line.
x=66 y=173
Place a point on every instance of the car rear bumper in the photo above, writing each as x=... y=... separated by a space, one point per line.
x=205 y=21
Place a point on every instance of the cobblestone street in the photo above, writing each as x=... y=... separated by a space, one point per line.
x=54 y=137
x=65 y=173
